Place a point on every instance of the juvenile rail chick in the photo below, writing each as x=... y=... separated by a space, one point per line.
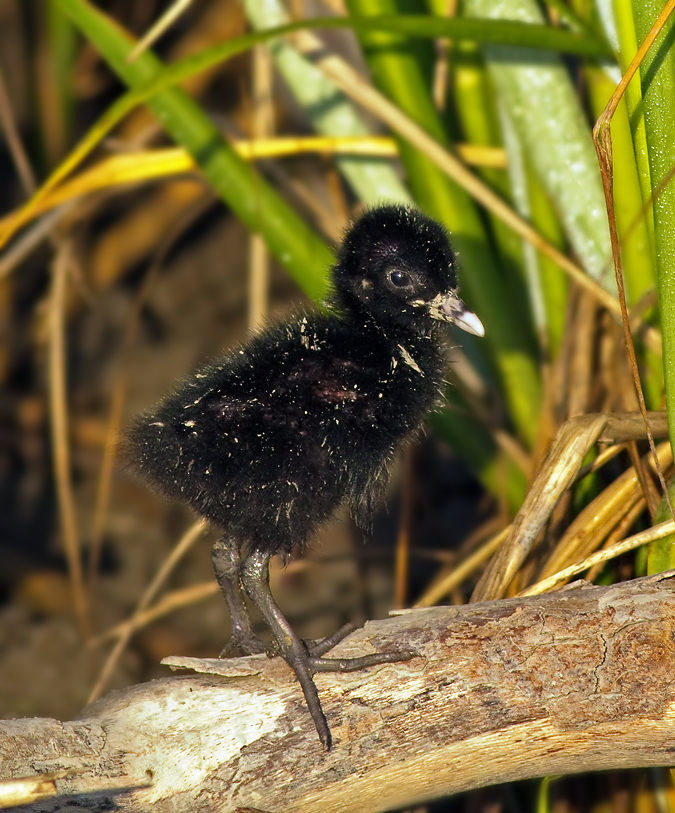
x=271 y=439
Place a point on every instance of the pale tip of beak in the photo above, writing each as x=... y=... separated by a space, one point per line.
x=455 y=311
x=469 y=322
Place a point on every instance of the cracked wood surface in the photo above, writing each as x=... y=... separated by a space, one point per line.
x=573 y=681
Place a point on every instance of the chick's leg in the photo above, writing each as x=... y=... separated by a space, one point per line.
x=304 y=660
x=226 y=559
x=255 y=577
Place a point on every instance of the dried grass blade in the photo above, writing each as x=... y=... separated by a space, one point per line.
x=602 y=515
x=636 y=541
x=557 y=473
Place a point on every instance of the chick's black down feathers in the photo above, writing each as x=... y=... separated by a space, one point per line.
x=271 y=439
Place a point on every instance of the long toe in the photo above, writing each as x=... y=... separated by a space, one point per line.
x=323 y=645
x=356 y=664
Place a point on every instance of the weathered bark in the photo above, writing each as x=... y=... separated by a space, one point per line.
x=574 y=681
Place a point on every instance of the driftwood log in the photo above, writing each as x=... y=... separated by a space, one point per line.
x=579 y=680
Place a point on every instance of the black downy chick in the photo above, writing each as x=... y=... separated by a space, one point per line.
x=271 y=439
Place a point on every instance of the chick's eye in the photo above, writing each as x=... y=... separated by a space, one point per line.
x=400 y=278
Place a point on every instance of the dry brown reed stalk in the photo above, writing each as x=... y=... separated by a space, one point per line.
x=290 y=184
x=603 y=457
x=618 y=534
x=262 y=124
x=580 y=374
x=174 y=600
x=438 y=591
x=556 y=474
x=186 y=219
x=58 y=409
x=641 y=466
x=453 y=561
x=599 y=518
x=182 y=547
x=442 y=66
x=402 y=561
x=134 y=235
x=32 y=236
x=643 y=538
x=337 y=192
x=211 y=24
x=25 y=173
x=512 y=448
x=14 y=143
x=159 y=28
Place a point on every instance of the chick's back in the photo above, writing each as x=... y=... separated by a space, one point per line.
x=271 y=439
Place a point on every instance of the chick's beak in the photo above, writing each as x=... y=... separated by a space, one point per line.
x=450 y=308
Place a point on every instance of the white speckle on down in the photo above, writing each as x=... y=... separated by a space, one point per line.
x=409 y=360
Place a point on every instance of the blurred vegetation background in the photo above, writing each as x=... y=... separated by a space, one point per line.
x=155 y=208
